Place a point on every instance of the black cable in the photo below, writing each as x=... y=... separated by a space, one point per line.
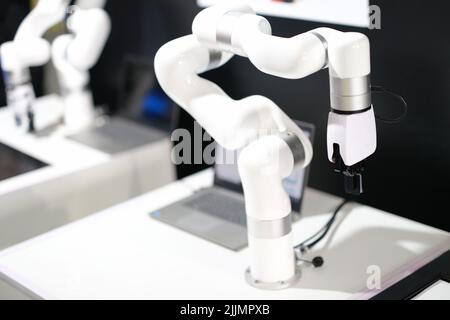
x=322 y=233
x=379 y=89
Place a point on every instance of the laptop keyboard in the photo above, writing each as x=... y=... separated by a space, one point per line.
x=220 y=205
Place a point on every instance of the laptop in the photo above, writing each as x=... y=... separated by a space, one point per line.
x=217 y=213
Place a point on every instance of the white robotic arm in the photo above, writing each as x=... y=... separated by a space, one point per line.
x=73 y=55
x=351 y=128
x=33 y=50
x=28 y=49
x=273 y=144
x=232 y=123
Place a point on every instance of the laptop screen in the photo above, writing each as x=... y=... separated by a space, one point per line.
x=227 y=173
x=14 y=163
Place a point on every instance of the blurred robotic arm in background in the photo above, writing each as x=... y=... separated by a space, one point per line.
x=73 y=55
x=28 y=49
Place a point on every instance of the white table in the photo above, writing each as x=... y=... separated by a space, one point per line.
x=79 y=180
x=62 y=155
x=122 y=253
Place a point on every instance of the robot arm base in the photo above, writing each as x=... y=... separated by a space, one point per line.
x=263 y=165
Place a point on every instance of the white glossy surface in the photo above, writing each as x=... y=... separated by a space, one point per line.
x=438 y=291
x=122 y=253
